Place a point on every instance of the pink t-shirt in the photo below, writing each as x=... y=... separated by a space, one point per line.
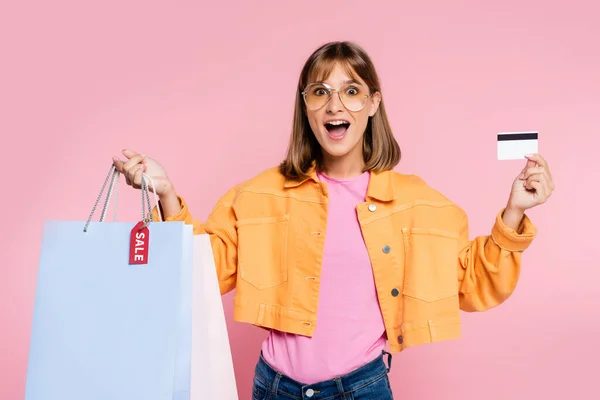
x=350 y=329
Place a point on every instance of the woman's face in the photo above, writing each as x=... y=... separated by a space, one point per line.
x=338 y=125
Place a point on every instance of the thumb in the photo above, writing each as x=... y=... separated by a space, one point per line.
x=528 y=164
x=129 y=153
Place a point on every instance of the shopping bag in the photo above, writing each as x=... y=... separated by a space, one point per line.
x=212 y=365
x=104 y=327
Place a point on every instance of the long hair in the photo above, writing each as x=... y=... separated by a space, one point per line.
x=380 y=149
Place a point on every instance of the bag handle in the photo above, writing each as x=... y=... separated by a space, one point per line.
x=113 y=176
x=146 y=194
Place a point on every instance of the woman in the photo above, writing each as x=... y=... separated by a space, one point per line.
x=337 y=255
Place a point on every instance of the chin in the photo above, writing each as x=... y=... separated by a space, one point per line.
x=336 y=153
x=338 y=146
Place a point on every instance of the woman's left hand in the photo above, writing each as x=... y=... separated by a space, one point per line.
x=533 y=186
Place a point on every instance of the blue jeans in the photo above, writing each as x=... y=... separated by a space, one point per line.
x=367 y=382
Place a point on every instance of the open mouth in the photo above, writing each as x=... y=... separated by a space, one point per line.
x=337 y=129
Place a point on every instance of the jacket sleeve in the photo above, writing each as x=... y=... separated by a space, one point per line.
x=489 y=266
x=221 y=227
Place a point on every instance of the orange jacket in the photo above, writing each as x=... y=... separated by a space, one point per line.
x=267 y=237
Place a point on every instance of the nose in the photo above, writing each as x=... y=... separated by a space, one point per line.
x=334 y=104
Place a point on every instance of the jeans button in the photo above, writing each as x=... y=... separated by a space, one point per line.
x=309 y=393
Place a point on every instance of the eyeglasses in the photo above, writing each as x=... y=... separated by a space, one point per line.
x=353 y=97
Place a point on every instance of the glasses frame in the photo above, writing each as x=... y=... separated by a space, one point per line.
x=330 y=92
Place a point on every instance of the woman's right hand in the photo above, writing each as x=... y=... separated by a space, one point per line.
x=138 y=164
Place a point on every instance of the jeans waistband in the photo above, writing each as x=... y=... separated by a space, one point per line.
x=282 y=384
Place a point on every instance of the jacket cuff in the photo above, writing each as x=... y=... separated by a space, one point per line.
x=509 y=239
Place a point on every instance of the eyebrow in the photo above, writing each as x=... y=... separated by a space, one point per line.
x=348 y=82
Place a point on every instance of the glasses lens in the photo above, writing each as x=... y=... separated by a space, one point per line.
x=316 y=96
x=354 y=97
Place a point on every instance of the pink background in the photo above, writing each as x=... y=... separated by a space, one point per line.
x=208 y=90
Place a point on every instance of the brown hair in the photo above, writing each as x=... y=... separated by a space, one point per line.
x=380 y=149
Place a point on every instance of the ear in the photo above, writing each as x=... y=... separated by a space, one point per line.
x=375 y=100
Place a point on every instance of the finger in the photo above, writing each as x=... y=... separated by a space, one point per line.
x=133 y=161
x=530 y=179
x=540 y=184
x=137 y=177
x=528 y=164
x=131 y=174
x=545 y=187
x=548 y=185
x=127 y=179
x=538 y=159
x=118 y=164
x=547 y=179
x=129 y=153
x=530 y=171
x=541 y=162
x=539 y=191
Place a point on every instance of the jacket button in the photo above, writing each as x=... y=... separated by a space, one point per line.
x=395 y=292
x=400 y=339
x=386 y=249
x=372 y=207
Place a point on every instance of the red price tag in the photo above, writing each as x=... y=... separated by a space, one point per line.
x=138 y=244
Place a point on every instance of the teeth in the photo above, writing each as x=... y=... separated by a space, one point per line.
x=337 y=123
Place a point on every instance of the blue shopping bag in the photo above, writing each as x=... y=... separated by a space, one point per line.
x=104 y=328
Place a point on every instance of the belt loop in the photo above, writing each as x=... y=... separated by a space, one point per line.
x=389 y=360
x=275 y=385
x=338 y=382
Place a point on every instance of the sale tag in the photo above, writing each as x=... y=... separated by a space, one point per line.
x=138 y=244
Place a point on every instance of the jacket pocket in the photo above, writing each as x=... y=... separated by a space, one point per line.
x=431 y=262
x=262 y=251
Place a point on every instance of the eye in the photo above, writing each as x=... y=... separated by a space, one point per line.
x=320 y=91
x=352 y=91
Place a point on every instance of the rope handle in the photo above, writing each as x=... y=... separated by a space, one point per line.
x=113 y=177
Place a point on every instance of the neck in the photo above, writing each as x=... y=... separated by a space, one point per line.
x=343 y=167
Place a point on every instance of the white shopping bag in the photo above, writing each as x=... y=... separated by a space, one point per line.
x=212 y=373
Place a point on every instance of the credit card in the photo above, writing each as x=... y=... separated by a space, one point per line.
x=515 y=145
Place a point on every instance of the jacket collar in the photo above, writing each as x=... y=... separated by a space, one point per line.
x=312 y=176
x=381 y=184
